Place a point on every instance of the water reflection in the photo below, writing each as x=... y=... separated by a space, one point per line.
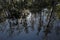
x=31 y=24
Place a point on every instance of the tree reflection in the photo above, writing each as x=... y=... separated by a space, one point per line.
x=17 y=12
x=25 y=25
x=18 y=25
x=40 y=24
x=32 y=22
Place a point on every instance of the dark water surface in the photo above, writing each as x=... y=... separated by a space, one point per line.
x=29 y=28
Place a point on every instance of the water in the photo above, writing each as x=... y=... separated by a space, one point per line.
x=29 y=28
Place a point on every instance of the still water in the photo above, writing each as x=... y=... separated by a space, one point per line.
x=29 y=28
